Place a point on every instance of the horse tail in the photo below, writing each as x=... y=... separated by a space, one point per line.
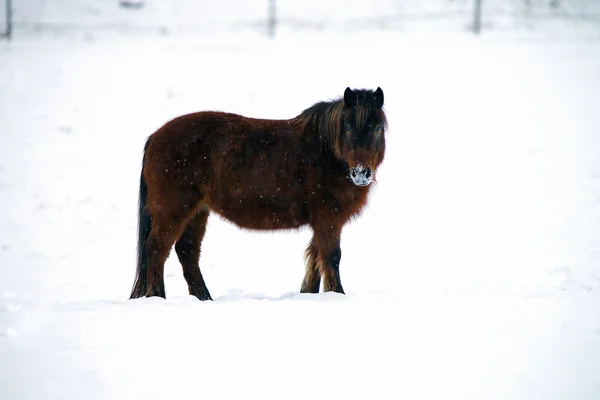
x=144 y=227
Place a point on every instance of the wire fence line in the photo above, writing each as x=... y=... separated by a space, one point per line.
x=273 y=17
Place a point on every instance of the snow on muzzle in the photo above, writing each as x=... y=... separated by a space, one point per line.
x=361 y=176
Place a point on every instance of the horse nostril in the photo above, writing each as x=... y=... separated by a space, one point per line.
x=368 y=173
x=353 y=173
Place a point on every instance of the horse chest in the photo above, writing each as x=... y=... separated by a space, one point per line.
x=347 y=201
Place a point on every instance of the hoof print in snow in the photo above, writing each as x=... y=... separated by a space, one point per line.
x=131 y=4
x=67 y=130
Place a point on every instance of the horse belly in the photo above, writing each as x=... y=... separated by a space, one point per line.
x=263 y=210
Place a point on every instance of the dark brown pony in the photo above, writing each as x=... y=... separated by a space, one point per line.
x=314 y=169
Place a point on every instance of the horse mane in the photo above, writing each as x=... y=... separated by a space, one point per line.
x=324 y=118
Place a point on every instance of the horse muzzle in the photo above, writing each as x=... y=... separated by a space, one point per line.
x=361 y=176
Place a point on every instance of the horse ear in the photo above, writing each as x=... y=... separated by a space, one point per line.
x=349 y=98
x=378 y=95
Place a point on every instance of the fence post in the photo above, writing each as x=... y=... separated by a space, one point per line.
x=8 y=33
x=272 y=19
x=477 y=17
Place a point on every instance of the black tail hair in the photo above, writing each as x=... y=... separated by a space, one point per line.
x=144 y=227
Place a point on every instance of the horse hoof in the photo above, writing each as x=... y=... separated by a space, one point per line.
x=203 y=296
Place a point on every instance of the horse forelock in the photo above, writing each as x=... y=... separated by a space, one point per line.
x=365 y=111
x=362 y=115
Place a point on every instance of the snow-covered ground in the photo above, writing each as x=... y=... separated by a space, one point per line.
x=473 y=274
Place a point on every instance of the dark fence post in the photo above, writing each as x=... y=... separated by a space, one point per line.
x=477 y=17
x=272 y=19
x=8 y=33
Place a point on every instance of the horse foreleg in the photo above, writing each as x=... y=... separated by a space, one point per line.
x=331 y=272
x=312 y=277
x=328 y=246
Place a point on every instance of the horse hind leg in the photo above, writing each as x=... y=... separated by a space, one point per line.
x=188 y=251
x=312 y=276
x=167 y=226
x=158 y=247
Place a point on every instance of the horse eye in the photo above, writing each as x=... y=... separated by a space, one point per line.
x=378 y=128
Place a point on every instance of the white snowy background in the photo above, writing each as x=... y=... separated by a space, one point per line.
x=473 y=274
